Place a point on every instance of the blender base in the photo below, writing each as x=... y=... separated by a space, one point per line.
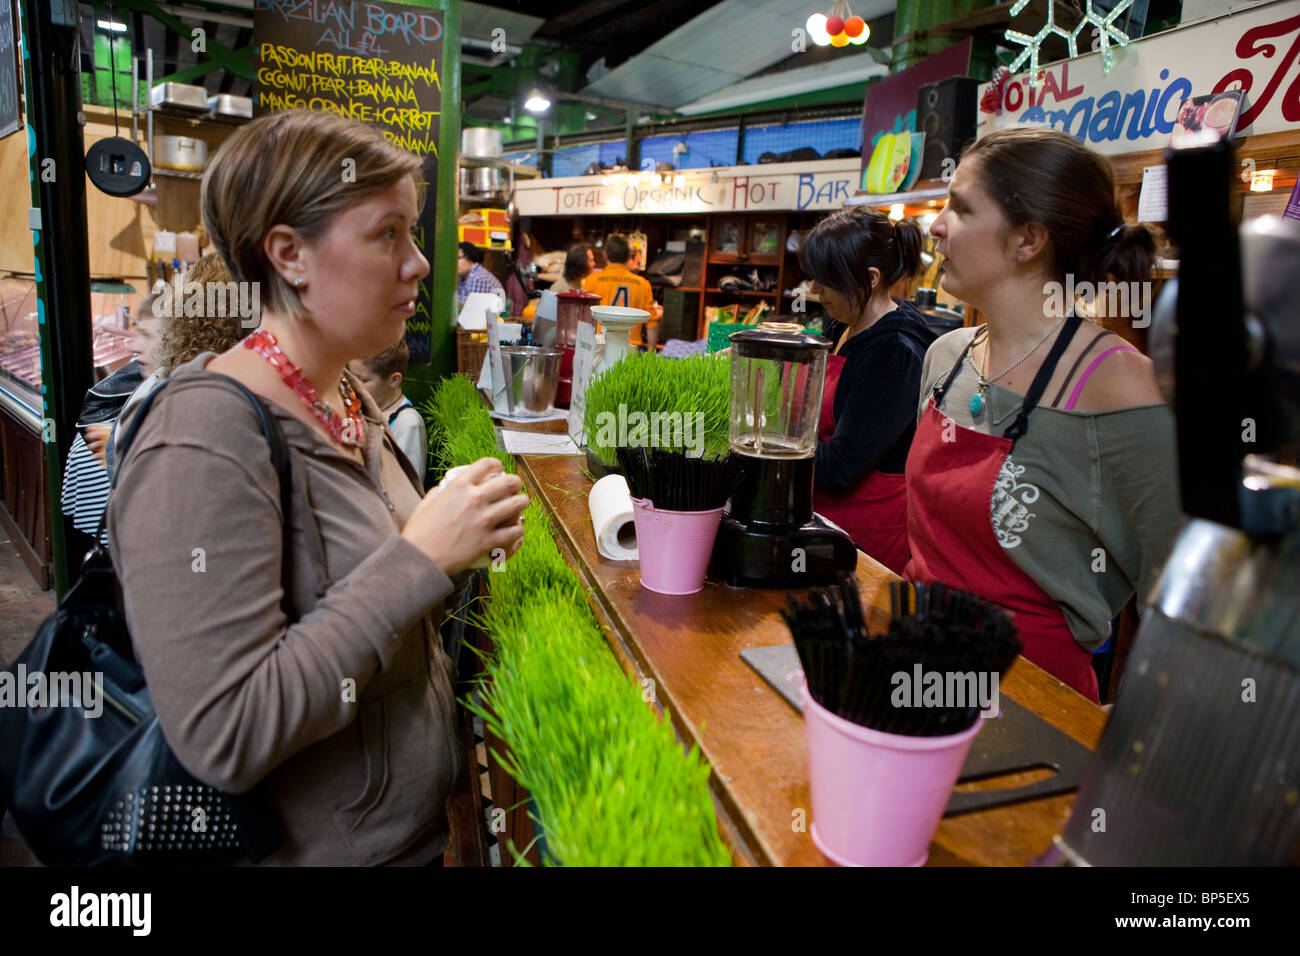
x=773 y=556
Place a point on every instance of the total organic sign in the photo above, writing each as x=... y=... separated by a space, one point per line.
x=820 y=185
x=1135 y=106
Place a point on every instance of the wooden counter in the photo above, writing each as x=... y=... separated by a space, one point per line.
x=754 y=741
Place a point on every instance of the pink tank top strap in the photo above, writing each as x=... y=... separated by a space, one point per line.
x=1092 y=367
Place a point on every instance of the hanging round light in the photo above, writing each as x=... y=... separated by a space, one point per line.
x=816 y=27
x=839 y=27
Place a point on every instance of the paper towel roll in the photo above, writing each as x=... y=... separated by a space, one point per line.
x=611 y=517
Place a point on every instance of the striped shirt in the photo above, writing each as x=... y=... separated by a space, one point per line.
x=85 y=489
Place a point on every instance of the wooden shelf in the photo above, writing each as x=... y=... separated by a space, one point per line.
x=166 y=173
x=924 y=191
x=750 y=292
x=758 y=259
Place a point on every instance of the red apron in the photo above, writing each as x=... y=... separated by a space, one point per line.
x=950 y=487
x=873 y=509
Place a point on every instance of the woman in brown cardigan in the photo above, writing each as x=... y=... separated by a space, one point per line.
x=345 y=707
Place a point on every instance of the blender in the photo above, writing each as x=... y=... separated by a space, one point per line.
x=769 y=535
x=570 y=309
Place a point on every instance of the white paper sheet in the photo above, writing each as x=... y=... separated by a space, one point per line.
x=538 y=443
x=473 y=314
x=1153 y=203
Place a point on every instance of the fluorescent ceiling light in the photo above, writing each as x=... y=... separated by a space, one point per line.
x=112 y=26
x=537 y=103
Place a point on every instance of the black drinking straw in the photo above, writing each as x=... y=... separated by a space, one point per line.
x=944 y=630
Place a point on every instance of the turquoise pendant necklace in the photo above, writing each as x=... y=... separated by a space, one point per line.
x=977 y=400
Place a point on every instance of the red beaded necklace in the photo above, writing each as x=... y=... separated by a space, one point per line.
x=347 y=431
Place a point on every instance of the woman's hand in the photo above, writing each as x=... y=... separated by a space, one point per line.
x=472 y=515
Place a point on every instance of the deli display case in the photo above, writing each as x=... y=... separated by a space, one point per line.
x=25 y=513
x=20 y=346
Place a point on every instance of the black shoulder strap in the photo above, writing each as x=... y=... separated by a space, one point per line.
x=941 y=390
x=1021 y=424
x=271 y=430
x=259 y=828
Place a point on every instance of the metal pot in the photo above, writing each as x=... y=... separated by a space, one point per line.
x=487 y=181
x=480 y=142
x=532 y=376
x=181 y=152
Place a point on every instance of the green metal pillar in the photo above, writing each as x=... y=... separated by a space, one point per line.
x=57 y=175
x=421 y=379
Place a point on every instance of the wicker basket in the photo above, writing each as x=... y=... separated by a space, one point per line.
x=471 y=348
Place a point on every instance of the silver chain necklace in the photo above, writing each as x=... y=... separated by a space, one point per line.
x=977 y=400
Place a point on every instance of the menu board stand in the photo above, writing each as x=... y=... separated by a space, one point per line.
x=372 y=61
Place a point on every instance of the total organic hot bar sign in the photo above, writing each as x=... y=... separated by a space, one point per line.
x=818 y=185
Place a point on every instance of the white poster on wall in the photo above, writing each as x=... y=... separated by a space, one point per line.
x=1135 y=105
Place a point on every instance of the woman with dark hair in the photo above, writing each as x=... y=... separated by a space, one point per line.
x=1043 y=474
x=578 y=264
x=872 y=375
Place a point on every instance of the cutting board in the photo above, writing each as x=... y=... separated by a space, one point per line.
x=1015 y=741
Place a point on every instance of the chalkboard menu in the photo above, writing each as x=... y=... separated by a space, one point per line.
x=10 y=113
x=375 y=62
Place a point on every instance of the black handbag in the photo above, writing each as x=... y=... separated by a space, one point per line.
x=106 y=789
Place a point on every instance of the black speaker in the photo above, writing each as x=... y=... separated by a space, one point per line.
x=945 y=113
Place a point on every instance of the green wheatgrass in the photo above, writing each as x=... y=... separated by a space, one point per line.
x=644 y=382
x=611 y=782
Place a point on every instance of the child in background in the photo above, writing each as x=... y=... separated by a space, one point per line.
x=381 y=374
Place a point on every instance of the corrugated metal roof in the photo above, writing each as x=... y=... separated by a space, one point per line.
x=696 y=60
x=852 y=68
x=479 y=20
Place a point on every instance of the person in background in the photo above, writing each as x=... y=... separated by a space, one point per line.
x=1043 y=475
x=868 y=413
x=578 y=264
x=181 y=337
x=616 y=284
x=473 y=277
x=381 y=375
x=86 y=474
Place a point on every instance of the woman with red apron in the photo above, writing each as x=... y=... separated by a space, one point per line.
x=1031 y=213
x=951 y=475
x=868 y=411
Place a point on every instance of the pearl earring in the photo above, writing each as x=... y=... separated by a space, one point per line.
x=297 y=283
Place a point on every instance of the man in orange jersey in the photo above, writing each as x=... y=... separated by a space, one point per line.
x=618 y=285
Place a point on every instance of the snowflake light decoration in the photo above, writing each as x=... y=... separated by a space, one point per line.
x=1106 y=31
x=1105 y=27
